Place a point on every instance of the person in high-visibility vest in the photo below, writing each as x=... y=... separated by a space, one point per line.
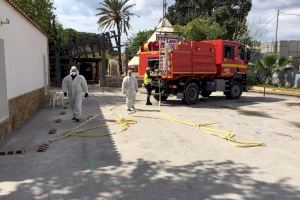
x=148 y=85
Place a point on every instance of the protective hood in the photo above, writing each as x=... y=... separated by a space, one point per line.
x=73 y=71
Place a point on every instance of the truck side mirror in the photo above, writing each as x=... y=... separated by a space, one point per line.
x=247 y=56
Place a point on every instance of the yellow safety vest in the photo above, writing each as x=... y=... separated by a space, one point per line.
x=147 y=79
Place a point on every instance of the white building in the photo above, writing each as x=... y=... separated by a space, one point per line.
x=23 y=66
x=164 y=27
x=286 y=48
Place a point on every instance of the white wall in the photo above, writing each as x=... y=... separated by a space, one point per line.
x=24 y=47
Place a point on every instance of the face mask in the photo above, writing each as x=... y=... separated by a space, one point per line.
x=73 y=73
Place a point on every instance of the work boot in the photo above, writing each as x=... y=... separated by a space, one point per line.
x=77 y=120
x=73 y=118
x=148 y=103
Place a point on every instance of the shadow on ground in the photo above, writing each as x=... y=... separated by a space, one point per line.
x=88 y=169
x=155 y=180
x=291 y=104
x=53 y=171
x=223 y=102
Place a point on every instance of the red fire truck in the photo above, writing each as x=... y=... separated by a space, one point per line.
x=193 y=68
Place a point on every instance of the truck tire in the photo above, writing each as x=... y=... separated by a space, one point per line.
x=205 y=93
x=204 y=89
x=235 y=91
x=163 y=97
x=191 y=93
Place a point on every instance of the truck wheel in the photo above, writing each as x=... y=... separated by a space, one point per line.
x=205 y=93
x=191 y=94
x=235 y=91
x=163 y=97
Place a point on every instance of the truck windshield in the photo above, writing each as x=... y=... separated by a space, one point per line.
x=153 y=63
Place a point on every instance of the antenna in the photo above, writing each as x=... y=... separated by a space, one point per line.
x=164 y=8
x=164 y=11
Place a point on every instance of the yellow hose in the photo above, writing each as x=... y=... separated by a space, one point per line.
x=126 y=123
x=226 y=135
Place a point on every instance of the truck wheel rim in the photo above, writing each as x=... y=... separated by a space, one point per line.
x=192 y=94
x=235 y=90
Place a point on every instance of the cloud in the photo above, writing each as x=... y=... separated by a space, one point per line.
x=81 y=16
x=275 y=4
x=77 y=14
x=262 y=19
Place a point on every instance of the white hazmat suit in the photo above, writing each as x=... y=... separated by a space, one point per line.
x=75 y=89
x=129 y=88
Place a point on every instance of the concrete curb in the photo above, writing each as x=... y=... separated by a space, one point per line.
x=273 y=92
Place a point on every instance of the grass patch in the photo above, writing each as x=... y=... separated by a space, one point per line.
x=279 y=87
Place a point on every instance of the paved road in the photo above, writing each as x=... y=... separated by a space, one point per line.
x=159 y=159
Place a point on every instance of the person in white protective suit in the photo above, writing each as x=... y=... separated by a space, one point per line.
x=129 y=88
x=73 y=86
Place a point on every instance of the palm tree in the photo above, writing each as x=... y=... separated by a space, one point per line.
x=115 y=14
x=269 y=65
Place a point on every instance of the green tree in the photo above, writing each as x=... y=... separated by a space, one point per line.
x=137 y=40
x=200 y=29
x=230 y=14
x=116 y=14
x=184 y=11
x=269 y=65
x=41 y=12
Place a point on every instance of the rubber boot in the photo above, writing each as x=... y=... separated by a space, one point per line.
x=148 y=103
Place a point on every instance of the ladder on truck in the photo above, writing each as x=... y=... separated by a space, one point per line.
x=163 y=64
x=163 y=57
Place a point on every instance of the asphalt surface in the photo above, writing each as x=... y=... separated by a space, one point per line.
x=156 y=158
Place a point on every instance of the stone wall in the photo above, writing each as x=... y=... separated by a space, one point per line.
x=116 y=82
x=21 y=108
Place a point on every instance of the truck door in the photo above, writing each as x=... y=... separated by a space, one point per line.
x=242 y=59
x=228 y=60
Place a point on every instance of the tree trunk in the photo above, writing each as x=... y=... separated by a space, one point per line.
x=265 y=83
x=119 y=48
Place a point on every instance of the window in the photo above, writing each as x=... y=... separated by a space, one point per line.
x=229 y=52
x=242 y=53
x=153 y=63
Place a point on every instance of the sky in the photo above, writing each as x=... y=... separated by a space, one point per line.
x=81 y=16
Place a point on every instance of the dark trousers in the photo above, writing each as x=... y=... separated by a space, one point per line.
x=149 y=90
